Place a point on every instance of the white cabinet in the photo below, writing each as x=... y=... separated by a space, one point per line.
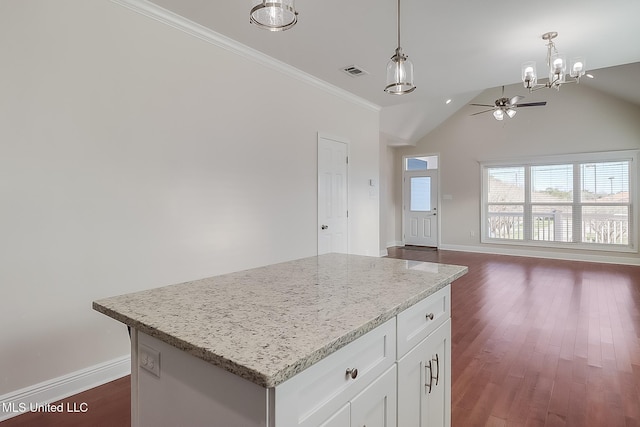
x=424 y=382
x=318 y=394
x=375 y=406
x=342 y=418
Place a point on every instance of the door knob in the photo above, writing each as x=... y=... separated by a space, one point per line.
x=324 y=227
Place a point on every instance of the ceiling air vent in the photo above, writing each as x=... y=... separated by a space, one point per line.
x=354 y=71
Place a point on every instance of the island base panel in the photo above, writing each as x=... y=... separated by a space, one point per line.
x=190 y=391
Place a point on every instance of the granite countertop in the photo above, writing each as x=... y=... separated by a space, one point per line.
x=269 y=323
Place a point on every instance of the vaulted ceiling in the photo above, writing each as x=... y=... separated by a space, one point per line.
x=459 y=48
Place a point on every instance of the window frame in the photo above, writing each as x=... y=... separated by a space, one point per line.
x=576 y=160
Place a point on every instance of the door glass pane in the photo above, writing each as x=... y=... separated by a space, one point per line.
x=421 y=193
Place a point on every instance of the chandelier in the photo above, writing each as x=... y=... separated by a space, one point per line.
x=557 y=65
x=399 y=70
x=273 y=15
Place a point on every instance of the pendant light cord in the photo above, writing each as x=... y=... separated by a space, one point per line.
x=398 y=23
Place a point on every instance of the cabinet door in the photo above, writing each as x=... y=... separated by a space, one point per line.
x=342 y=418
x=424 y=382
x=375 y=406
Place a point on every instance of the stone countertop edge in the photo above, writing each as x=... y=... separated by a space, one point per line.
x=269 y=380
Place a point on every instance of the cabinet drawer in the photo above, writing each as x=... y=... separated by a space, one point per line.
x=418 y=321
x=314 y=394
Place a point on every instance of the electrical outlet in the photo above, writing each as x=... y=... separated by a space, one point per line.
x=149 y=359
x=472 y=233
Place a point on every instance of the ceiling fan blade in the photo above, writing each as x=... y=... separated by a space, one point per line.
x=480 y=112
x=483 y=105
x=515 y=99
x=531 y=104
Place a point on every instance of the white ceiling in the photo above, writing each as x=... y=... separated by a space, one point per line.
x=459 y=48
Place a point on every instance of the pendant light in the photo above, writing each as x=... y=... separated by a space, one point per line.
x=399 y=70
x=273 y=15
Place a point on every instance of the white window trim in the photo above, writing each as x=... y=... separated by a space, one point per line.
x=630 y=155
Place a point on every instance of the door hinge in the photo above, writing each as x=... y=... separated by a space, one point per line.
x=347 y=214
x=347 y=159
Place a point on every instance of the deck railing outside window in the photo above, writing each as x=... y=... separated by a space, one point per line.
x=557 y=227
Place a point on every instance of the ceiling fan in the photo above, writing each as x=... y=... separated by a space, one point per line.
x=507 y=106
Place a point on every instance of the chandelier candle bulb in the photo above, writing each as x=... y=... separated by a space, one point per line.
x=577 y=68
x=529 y=75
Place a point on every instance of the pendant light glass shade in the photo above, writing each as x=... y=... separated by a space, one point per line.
x=399 y=70
x=399 y=74
x=274 y=15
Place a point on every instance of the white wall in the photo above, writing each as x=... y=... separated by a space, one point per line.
x=576 y=119
x=390 y=174
x=130 y=159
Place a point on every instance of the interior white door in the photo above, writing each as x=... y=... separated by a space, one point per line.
x=421 y=208
x=332 y=196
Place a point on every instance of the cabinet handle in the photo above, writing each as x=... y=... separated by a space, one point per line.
x=427 y=387
x=352 y=372
x=437 y=369
x=430 y=316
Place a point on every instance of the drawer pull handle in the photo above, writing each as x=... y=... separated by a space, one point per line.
x=429 y=385
x=437 y=369
x=352 y=372
x=430 y=316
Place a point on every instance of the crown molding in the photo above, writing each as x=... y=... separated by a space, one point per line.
x=178 y=22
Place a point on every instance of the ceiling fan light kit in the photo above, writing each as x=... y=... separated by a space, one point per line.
x=507 y=106
x=557 y=66
x=399 y=70
x=273 y=15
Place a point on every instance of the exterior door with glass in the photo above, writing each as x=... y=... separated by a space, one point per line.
x=421 y=208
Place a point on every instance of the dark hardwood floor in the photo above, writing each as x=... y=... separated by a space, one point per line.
x=539 y=342
x=106 y=406
x=535 y=342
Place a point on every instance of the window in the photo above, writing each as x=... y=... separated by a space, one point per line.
x=421 y=163
x=583 y=201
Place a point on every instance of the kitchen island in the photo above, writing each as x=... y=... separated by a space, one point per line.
x=258 y=347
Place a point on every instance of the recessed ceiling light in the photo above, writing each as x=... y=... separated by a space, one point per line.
x=589 y=75
x=448 y=101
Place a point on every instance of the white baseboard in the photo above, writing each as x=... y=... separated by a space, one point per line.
x=19 y=401
x=567 y=256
